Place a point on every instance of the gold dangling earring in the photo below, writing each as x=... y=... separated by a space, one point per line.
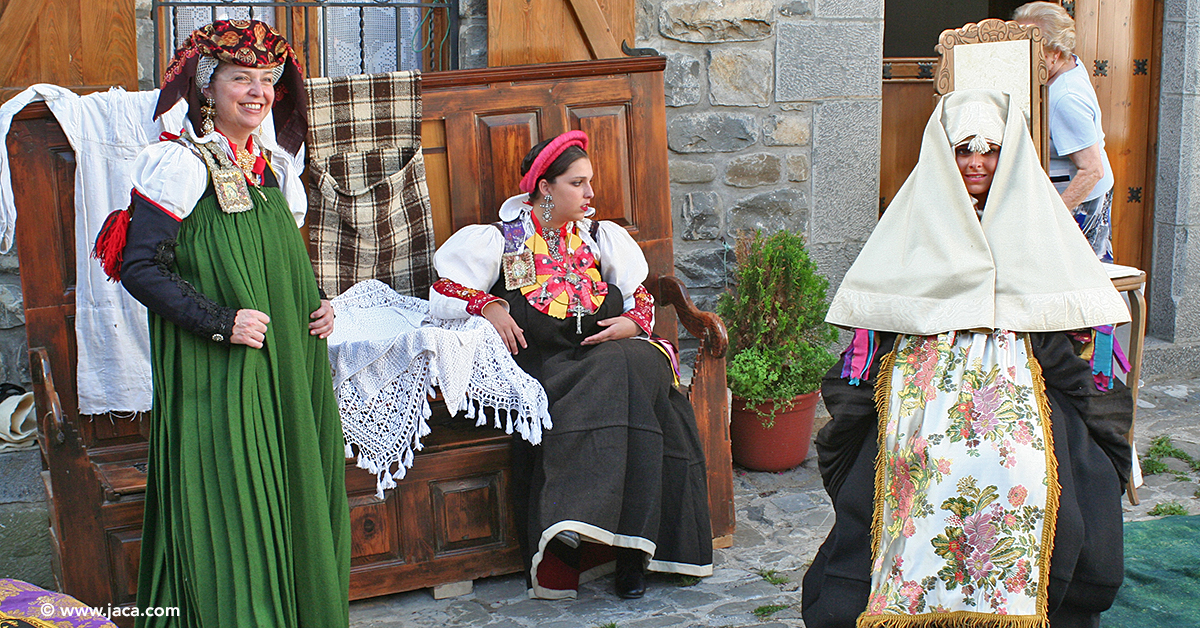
x=207 y=112
x=547 y=205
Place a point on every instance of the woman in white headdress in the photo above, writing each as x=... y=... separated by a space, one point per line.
x=974 y=460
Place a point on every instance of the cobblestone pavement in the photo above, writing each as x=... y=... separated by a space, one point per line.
x=781 y=520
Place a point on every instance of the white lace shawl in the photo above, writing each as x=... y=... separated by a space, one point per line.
x=388 y=354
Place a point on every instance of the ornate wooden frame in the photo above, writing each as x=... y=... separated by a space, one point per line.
x=996 y=30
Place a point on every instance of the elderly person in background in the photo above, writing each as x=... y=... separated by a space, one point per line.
x=1078 y=164
x=246 y=520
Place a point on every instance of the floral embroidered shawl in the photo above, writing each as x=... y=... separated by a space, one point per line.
x=966 y=488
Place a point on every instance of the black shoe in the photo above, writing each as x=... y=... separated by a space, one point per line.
x=570 y=538
x=630 y=580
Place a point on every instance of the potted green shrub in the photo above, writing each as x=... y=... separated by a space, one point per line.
x=778 y=349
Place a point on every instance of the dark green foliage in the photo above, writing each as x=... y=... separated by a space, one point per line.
x=1167 y=509
x=764 y=612
x=1162 y=447
x=772 y=576
x=687 y=581
x=775 y=314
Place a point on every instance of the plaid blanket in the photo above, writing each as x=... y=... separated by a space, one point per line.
x=372 y=216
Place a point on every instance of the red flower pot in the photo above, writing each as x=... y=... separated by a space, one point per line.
x=778 y=448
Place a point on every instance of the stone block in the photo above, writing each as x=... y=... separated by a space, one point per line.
x=1166 y=270
x=754 y=170
x=782 y=209
x=703 y=266
x=12 y=306
x=644 y=27
x=691 y=171
x=705 y=22
x=472 y=8
x=699 y=215
x=9 y=264
x=833 y=260
x=788 y=129
x=1174 y=44
x=740 y=77
x=860 y=9
x=1179 y=162
x=1167 y=358
x=711 y=132
x=472 y=48
x=25 y=537
x=796 y=8
x=453 y=589
x=14 y=357
x=22 y=477
x=845 y=170
x=834 y=59
x=1181 y=10
x=1191 y=59
x=681 y=80
x=798 y=167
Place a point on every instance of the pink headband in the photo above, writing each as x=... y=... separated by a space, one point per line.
x=549 y=154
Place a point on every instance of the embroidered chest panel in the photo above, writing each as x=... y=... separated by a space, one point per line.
x=559 y=278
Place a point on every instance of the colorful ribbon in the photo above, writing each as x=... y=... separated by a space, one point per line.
x=857 y=358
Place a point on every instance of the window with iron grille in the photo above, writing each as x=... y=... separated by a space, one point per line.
x=332 y=37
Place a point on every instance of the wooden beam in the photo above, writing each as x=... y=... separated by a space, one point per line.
x=596 y=30
x=15 y=26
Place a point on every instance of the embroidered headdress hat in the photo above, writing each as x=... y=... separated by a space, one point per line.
x=248 y=43
x=931 y=265
x=549 y=154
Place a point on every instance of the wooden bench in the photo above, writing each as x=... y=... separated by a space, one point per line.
x=449 y=520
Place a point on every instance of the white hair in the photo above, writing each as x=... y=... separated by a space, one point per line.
x=1055 y=23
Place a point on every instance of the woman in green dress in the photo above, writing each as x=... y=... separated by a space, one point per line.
x=246 y=520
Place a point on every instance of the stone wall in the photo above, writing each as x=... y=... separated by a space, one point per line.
x=773 y=122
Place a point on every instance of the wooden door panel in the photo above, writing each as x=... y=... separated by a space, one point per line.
x=124 y=552
x=374 y=528
x=608 y=132
x=907 y=105
x=467 y=512
x=506 y=137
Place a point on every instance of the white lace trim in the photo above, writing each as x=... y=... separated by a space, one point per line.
x=388 y=355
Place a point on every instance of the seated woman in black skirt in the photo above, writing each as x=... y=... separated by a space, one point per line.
x=975 y=462
x=620 y=477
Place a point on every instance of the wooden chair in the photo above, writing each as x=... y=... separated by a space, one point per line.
x=449 y=520
x=995 y=54
x=1010 y=57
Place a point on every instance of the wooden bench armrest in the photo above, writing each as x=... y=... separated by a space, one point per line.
x=46 y=397
x=706 y=326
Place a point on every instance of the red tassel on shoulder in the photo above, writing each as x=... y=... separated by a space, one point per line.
x=110 y=243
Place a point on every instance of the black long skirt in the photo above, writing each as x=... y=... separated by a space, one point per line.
x=1086 y=564
x=623 y=465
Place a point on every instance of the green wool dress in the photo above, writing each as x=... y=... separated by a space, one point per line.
x=246 y=520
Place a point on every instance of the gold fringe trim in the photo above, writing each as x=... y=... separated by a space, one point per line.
x=883 y=394
x=956 y=619
x=1053 y=489
x=32 y=621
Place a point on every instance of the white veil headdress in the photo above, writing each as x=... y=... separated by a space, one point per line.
x=931 y=265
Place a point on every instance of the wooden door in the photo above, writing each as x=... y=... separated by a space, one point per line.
x=908 y=100
x=83 y=45
x=550 y=31
x=1116 y=41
